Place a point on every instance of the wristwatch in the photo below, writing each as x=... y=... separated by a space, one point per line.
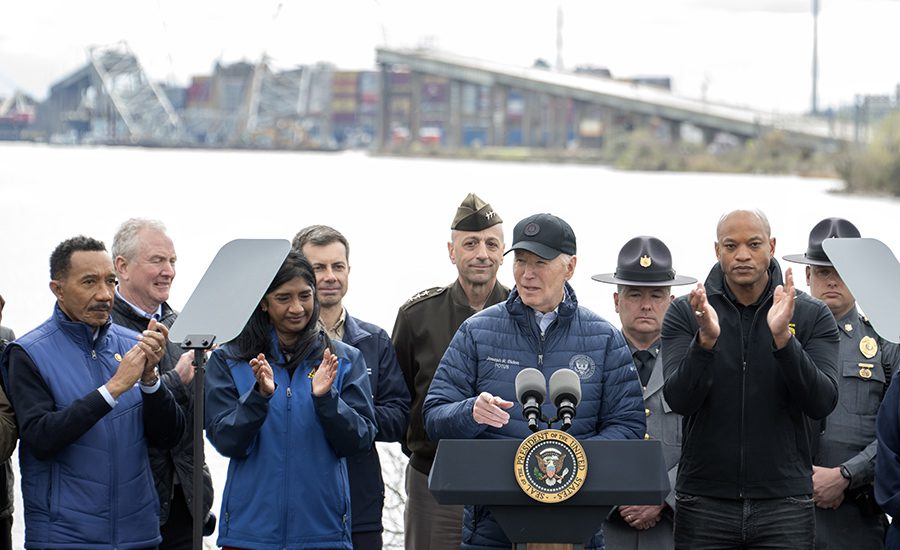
x=845 y=473
x=152 y=382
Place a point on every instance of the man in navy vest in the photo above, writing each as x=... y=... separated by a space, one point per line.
x=88 y=401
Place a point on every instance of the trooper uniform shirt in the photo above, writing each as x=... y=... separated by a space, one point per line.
x=665 y=425
x=424 y=327
x=865 y=365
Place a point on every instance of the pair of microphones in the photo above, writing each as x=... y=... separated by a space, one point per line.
x=565 y=393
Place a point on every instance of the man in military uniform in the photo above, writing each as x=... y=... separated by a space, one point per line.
x=844 y=462
x=645 y=277
x=423 y=329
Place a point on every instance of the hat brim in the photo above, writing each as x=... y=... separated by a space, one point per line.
x=612 y=279
x=540 y=249
x=804 y=259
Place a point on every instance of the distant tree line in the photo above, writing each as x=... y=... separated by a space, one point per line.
x=874 y=168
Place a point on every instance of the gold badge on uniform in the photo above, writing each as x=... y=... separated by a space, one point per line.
x=118 y=357
x=868 y=346
x=646 y=261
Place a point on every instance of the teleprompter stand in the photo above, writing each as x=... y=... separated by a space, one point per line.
x=481 y=472
x=217 y=310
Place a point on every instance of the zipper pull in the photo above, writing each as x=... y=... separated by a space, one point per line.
x=93 y=354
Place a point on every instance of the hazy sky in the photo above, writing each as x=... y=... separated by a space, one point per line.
x=747 y=52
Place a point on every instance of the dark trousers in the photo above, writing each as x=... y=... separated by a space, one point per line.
x=178 y=531
x=6 y=532
x=369 y=540
x=704 y=523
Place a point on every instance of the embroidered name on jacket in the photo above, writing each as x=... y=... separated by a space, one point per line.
x=501 y=362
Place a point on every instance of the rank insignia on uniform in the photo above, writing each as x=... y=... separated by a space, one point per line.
x=118 y=357
x=848 y=327
x=865 y=373
x=646 y=261
x=868 y=346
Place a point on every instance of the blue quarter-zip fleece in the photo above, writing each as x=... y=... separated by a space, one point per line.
x=287 y=482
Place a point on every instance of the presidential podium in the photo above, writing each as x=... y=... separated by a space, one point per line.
x=481 y=472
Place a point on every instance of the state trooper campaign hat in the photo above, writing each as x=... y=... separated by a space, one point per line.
x=644 y=261
x=474 y=215
x=829 y=228
x=546 y=235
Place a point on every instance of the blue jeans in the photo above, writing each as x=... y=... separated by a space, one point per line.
x=705 y=523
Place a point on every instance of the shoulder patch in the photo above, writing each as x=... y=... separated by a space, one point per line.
x=424 y=295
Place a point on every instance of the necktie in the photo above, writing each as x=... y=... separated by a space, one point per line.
x=643 y=360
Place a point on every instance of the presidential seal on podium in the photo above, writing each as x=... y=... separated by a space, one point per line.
x=550 y=466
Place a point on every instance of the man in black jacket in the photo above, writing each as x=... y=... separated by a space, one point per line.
x=145 y=265
x=747 y=359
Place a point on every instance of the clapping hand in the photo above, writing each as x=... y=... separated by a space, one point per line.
x=707 y=317
x=325 y=374
x=263 y=373
x=782 y=310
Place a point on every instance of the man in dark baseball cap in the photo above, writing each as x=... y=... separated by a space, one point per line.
x=843 y=466
x=546 y=235
x=645 y=277
x=473 y=390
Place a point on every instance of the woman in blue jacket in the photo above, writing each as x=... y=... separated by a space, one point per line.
x=286 y=404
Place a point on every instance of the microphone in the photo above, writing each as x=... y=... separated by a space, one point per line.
x=531 y=391
x=565 y=392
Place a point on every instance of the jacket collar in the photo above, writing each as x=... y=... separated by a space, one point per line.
x=81 y=333
x=125 y=310
x=565 y=310
x=715 y=281
x=458 y=295
x=353 y=331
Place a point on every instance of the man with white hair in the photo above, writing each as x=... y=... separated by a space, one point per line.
x=144 y=259
x=541 y=324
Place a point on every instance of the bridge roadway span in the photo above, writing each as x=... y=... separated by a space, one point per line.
x=620 y=96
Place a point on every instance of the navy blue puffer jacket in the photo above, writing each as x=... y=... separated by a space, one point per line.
x=490 y=349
